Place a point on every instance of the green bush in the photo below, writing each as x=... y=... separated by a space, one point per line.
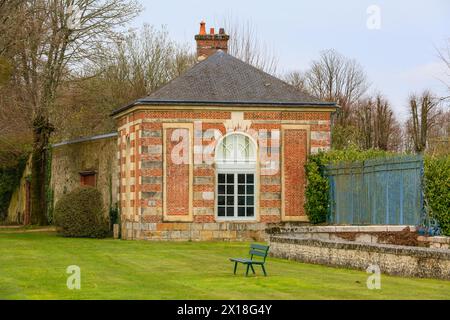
x=317 y=196
x=437 y=190
x=81 y=213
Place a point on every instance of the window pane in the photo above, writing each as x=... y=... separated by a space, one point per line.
x=235 y=203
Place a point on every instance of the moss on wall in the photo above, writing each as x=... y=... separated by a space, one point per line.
x=17 y=201
x=95 y=155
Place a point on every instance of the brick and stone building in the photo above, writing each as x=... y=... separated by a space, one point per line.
x=218 y=152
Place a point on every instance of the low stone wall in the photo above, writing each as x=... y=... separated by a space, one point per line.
x=186 y=231
x=392 y=259
x=434 y=242
x=387 y=234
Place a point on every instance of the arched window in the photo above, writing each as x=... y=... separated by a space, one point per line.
x=236 y=151
x=236 y=168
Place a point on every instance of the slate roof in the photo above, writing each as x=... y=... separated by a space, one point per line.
x=225 y=80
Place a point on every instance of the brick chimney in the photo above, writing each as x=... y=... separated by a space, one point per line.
x=208 y=44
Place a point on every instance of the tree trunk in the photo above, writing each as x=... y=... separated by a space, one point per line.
x=41 y=134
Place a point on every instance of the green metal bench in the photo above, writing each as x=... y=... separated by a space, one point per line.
x=256 y=250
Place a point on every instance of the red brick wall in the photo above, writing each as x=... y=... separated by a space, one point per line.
x=177 y=176
x=294 y=156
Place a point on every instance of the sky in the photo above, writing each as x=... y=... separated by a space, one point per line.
x=395 y=41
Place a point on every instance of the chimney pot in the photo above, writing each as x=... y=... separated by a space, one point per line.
x=221 y=31
x=202 y=28
x=211 y=30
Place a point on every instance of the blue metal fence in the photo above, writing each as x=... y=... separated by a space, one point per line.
x=379 y=191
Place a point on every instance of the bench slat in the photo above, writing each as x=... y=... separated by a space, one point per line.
x=259 y=246
x=258 y=253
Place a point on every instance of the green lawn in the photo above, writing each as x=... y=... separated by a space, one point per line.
x=33 y=266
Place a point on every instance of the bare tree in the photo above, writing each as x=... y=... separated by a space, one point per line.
x=135 y=65
x=53 y=37
x=296 y=79
x=376 y=123
x=363 y=119
x=244 y=44
x=439 y=135
x=424 y=112
x=444 y=55
x=383 y=123
x=334 y=77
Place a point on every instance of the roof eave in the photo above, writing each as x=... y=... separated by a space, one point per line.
x=144 y=102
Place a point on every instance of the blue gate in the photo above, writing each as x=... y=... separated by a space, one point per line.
x=378 y=191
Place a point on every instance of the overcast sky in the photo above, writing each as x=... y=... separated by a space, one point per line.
x=399 y=57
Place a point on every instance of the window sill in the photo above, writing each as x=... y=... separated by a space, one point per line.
x=221 y=219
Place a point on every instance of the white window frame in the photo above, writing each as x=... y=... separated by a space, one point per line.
x=224 y=166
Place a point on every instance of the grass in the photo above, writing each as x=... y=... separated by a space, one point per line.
x=33 y=266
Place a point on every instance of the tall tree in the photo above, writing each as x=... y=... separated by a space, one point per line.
x=54 y=36
x=376 y=124
x=334 y=77
x=383 y=123
x=363 y=119
x=424 y=111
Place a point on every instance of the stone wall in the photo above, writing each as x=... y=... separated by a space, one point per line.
x=97 y=154
x=392 y=259
x=182 y=231
x=440 y=242
x=389 y=234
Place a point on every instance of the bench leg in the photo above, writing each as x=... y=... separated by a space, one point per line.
x=264 y=270
x=246 y=273
x=235 y=267
x=253 y=270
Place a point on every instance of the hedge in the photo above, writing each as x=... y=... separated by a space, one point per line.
x=437 y=190
x=81 y=213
